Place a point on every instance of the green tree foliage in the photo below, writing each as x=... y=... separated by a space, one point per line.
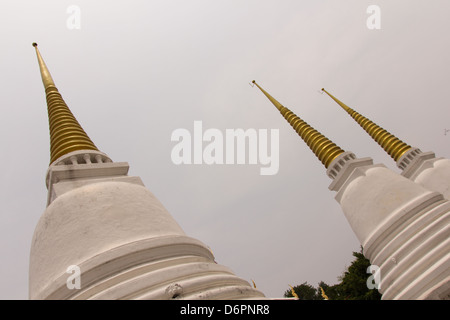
x=352 y=286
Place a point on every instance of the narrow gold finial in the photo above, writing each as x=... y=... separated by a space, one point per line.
x=391 y=144
x=344 y=106
x=325 y=150
x=272 y=99
x=45 y=74
x=66 y=134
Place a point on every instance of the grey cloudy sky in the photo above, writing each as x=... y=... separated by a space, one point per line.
x=138 y=70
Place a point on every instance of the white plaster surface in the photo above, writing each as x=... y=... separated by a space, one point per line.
x=403 y=228
x=86 y=221
x=434 y=174
x=427 y=170
x=124 y=241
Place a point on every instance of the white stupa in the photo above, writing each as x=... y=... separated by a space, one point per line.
x=112 y=229
x=403 y=226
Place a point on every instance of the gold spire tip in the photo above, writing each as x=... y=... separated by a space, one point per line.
x=278 y=105
x=34 y=44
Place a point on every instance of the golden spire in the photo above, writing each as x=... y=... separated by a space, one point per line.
x=391 y=144
x=66 y=134
x=322 y=147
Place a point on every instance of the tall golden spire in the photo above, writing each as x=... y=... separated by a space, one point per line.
x=66 y=134
x=322 y=147
x=391 y=144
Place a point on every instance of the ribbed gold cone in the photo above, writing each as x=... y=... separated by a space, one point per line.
x=66 y=134
x=324 y=149
x=391 y=144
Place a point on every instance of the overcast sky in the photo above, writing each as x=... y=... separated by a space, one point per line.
x=135 y=71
